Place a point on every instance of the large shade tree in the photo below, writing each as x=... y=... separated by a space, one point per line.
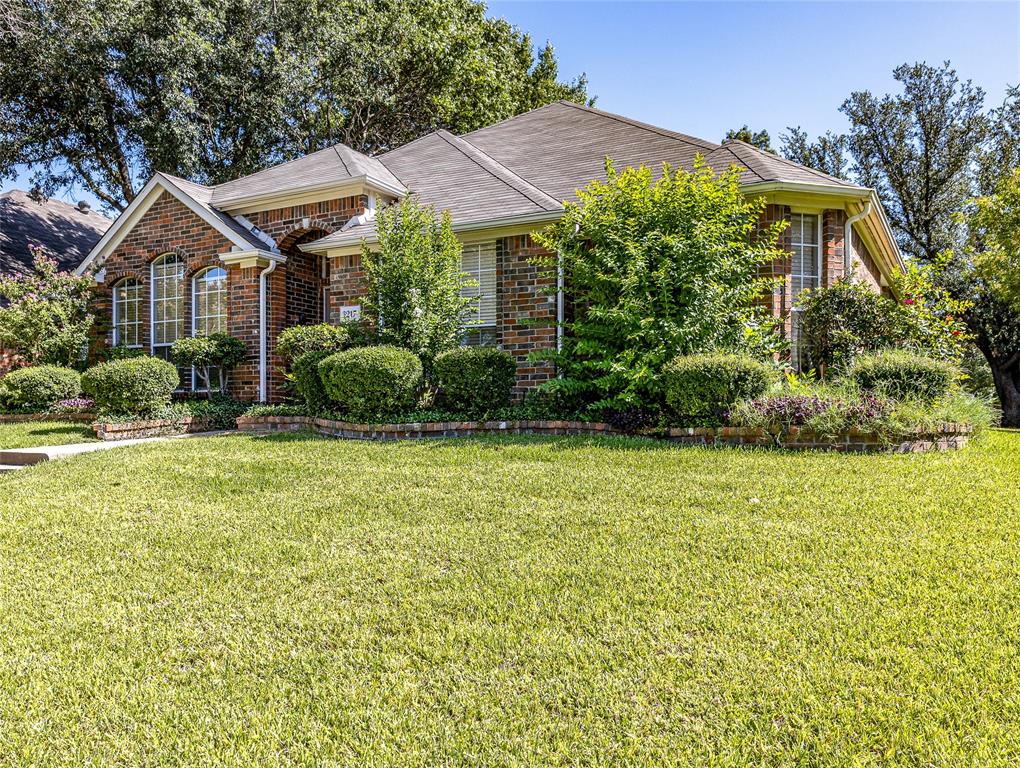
x=101 y=94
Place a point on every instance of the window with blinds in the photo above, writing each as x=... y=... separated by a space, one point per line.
x=478 y=261
x=805 y=272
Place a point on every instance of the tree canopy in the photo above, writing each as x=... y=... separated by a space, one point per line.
x=759 y=139
x=102 y=94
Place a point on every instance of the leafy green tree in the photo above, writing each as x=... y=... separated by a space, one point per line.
x=759 y=139
x=101 y=94
x=656 y=269
x=215 y=354
x=917 y=148
x=827 y=154
x=994 y=223
x=44 y=315
x=414 y=280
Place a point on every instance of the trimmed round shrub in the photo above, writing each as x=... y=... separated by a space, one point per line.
x=701 y=389
x=138 y=386
x=475 y=380
x=904 y=375
x=308 y=382
x=296 y=341
x=367 y=383
x=38 y=387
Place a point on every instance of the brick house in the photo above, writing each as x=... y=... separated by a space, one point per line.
x=283 y=246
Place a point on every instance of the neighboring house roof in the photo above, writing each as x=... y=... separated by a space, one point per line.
x=65 y=232
x=327 y=167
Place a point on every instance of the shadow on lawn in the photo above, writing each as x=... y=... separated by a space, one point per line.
x=66 y=430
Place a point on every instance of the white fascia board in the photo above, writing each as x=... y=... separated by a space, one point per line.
x=252 y=257
x=851 y=192
x=138 y=208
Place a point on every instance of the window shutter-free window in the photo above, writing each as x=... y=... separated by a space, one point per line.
x=805 y=272
x=478 y=261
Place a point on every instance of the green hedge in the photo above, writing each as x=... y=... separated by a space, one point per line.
x=296 y=341
x=139 y=386
x=475 y=380
x=38 y=387
x=369 y=383
x=701 y=389
x=308 y=382
x=904 y=375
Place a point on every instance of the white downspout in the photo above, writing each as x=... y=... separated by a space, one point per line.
x=848 y=239
x=559 y=301
x=262 y=329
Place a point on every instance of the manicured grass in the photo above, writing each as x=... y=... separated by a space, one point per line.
x=300 y=601
x=28 y=434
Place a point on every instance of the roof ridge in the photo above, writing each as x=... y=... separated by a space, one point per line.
x=285 y=162
x=525 y=187
x=737 y=160
x=638 y=124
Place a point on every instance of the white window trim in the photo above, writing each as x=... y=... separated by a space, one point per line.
x=116 y=313
x=194 y=316
x=795 y=310
x=152 y=306
x=473 y=250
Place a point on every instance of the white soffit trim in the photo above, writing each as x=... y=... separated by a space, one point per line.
x=140 y=205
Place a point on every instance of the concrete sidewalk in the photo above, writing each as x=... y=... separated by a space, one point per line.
x=19 y=458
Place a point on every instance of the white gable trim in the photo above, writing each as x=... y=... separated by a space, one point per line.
x=143 y=201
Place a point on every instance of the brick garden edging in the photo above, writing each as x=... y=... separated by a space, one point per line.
x=150 y=428
x=945 y=438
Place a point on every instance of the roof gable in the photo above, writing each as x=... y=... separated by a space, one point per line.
x=193 y=196
x=328 y=167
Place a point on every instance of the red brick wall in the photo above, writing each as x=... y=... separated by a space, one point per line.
x=866 y=268
x=780 y=301
x=833 y=229
x=525 y=313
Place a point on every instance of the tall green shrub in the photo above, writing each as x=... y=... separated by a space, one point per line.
x=369 y=383
x=38 y=387
x=475 y=380
x=308 y=382
x=903 y=375
x=701 y=389
x=414 y=280
x=299 y=339
x=139 y=386
x=655 y=269
x=216 y=354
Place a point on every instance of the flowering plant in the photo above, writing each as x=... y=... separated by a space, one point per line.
x=73 y=405
x=44 y=315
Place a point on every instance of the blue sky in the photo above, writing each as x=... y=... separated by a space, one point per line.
x=704 y=67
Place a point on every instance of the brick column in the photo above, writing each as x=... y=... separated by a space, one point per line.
x=525 y=313
x=243 y=323
x=833 y=253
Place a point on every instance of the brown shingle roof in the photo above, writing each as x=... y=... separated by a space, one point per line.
x=64 y=231
x=334 y=164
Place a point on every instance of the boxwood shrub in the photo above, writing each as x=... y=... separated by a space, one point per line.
x=296 y=341
x=308 y=382
x=38 y=387
x=701 y=389
x=904 y=375
x=475 y=380
x=139 y=386
x=369 y=383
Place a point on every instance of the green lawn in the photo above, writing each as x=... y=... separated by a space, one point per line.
x=29 y=434
x=298 y=601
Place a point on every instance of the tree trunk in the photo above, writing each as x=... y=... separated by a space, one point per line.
x=1007 y=387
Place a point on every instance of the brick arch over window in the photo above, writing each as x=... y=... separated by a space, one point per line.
x=300 y=235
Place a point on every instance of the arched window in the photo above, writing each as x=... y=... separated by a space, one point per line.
x=127 y=313
x=168 y=300
x=209 y=302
